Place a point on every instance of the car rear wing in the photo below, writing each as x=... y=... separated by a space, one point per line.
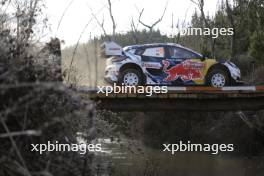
x=109 y=49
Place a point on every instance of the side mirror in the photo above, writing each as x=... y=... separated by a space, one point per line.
x=204 y=58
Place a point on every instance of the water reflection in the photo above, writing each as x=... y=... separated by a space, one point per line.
x=133 y=158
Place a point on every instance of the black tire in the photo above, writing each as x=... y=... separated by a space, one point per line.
x=215 y=74
x=131 y=71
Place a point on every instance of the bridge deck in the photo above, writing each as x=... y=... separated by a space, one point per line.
x=183 y=98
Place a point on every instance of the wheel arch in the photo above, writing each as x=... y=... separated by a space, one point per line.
x=129 y=66
x=218 y=66
x=133 y=66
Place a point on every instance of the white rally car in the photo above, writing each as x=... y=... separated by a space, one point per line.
x=166 y=64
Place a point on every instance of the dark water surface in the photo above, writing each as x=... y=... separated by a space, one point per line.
x=132 y=158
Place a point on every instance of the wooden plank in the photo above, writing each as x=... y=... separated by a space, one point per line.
x=246 y=88
x=224 y=104
x=260 y=88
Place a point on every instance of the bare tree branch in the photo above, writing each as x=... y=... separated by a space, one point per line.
x=195 y=2
x=139 y=20
x=77 y=43
x=134 y=29
x=101 y=24
x=200 y=4
x=156 y=22
x=63 y=14
x=27 y=173
x=21 y=133
x=112 y=18
x=32 y=11
x=232 y=23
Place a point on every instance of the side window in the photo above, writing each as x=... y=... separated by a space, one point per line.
x=139 y=51
x=180 y=53
x=132 y=51
x=154 y=52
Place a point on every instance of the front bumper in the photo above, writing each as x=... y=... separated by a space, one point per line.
x=235 y=73
x=108 y=80
x=111 y=74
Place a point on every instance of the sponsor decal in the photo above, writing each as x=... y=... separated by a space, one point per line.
x=160 y=52
x=187 y=70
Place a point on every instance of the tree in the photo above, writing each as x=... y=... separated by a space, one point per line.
x=206 y=24
x=230 y=14
x=153 y=25
x=112 y=19
x=256 y=13
x=257 y=45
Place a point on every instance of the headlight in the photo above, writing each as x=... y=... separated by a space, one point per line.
x=232 y=64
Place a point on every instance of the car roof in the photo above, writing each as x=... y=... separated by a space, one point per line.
x=152 y=45
x=158 y=45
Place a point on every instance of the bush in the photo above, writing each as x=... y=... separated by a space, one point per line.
x=244 y=62
x=258 y=76
x=35 y=107
x=256 y=46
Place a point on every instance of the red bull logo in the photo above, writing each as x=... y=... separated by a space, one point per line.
x=187 y=70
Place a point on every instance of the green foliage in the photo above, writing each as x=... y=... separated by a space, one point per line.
x=258 y=78
x=248 y=26
x=257 y=45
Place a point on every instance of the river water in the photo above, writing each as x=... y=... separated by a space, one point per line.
x=131 y=158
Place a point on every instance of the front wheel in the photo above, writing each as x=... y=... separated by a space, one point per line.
x=131 y=77
x=218 y=78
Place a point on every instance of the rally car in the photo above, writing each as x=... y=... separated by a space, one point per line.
x=168 y=64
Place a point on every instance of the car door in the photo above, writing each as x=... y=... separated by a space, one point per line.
x=152 y=61
x=183 y=66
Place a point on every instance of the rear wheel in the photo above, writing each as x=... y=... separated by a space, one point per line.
x=131 y=77
x=218 y=78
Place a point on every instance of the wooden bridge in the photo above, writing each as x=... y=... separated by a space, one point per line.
x=183 y=99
